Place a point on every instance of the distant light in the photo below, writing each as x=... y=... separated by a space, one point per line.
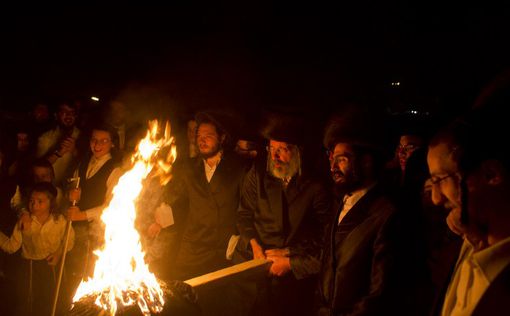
x=395 y=83
x=94 y=99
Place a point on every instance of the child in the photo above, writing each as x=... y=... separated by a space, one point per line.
x=41 y=241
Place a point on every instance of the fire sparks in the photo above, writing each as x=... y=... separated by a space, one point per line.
x=120 y=272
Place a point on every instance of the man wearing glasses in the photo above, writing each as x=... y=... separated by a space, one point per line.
x=470 y=172
x=281 y=218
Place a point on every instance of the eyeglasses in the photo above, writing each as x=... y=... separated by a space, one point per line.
x=100 y=141
x=279 y=150
x=439 y=180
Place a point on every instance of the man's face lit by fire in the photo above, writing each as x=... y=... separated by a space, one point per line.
x=445 y=178
x=408 y=144
x=208 y=140
x=283 y=159
x=344 y=169
x=66 y=116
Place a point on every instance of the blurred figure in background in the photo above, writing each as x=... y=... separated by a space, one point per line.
x=58 y=145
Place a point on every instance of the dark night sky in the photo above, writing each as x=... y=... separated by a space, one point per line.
x=237 y=55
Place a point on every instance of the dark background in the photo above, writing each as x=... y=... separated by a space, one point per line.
x=309 y=55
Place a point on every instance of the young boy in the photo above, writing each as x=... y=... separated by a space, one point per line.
x=41 y=241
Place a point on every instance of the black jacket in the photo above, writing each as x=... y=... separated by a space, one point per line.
x=360 y=273
x=278 y=218
x=210 y=209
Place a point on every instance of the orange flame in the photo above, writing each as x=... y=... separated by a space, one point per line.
x=120 y=273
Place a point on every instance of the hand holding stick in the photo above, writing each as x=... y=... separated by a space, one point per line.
x=66 y=242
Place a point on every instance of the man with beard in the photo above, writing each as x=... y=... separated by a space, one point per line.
x=204 y=195
x=359 y=271
x=58 y=145
x=281 y=217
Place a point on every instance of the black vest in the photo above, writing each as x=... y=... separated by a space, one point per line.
x=93 y=190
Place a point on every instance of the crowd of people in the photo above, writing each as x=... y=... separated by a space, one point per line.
x=409 y=219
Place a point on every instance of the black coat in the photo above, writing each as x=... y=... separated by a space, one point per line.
x=495 y=300
x=210 y=208
x=360 y=269
x=278 y=218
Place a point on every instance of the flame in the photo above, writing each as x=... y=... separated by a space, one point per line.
x=120 y=272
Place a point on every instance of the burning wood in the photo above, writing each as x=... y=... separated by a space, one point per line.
x=180 y=296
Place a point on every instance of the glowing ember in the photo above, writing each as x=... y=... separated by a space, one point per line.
x=120 y=272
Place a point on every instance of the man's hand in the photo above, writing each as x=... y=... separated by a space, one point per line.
x=277 y=252
x=74 y=194
x=74 y=214
x=258 y=252
x=25 y=221
x=53 y=259
x=67 y=146
x=280 y=266
x=153 y=230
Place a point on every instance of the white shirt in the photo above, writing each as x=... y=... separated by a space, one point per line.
x=474 y=272
x=209 y=171
x=350 y=200
x=95 y=164
x=40 y=241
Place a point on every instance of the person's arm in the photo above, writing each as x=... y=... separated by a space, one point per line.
x=43 y=145
x=305 y=254
x=18 y=204
x=245 y=214
x=12 y=244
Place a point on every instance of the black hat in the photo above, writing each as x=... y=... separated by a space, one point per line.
x=358 y=125
x=284 y=127
x=221 y=119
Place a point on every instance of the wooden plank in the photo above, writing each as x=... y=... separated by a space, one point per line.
x=249 y=267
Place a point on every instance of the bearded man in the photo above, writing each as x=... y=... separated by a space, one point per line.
x=206 y=190
x=281 y=217
x=360 y=275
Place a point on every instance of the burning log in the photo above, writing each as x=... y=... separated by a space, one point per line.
x=179 y=296
x=180 y=299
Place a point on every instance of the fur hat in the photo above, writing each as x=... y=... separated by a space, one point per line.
x=221 y=119
x=357 y=125
x=284 y=127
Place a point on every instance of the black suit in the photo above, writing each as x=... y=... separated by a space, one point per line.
x=496 y=299
x=359 y=270
x=210 y=213
x=291 y=218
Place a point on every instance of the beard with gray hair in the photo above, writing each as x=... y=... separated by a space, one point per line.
x=285 y=170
